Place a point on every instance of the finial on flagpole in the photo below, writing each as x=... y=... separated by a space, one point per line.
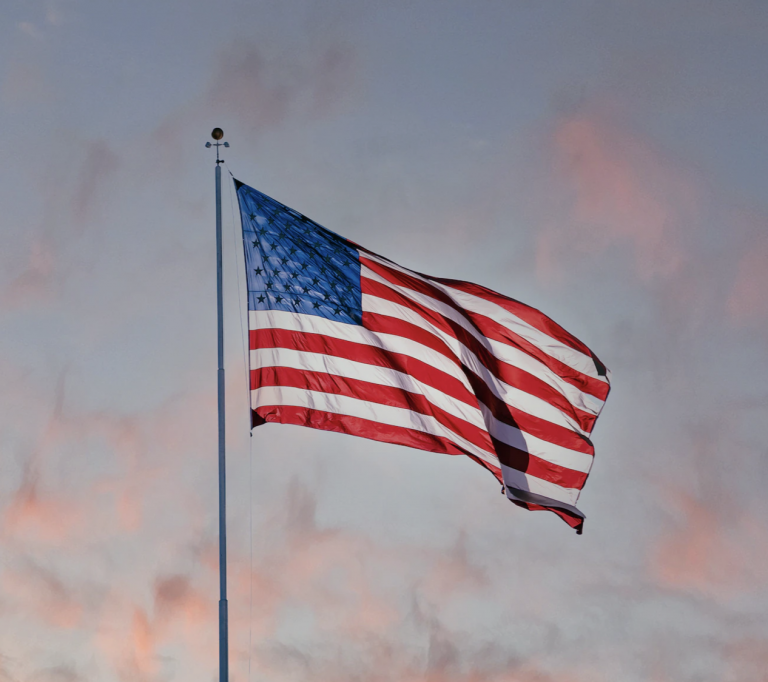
x=217 y=134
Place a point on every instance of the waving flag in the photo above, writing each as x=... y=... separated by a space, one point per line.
x=342 y=339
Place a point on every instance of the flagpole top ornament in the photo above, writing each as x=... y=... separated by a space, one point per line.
x=217 y=134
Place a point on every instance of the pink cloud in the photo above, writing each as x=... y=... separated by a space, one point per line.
x=622 y=193
x=748 y=300
x=710 y=552
x=40 y=592
x=48 y=517
x=34 y=282
x=748 y=657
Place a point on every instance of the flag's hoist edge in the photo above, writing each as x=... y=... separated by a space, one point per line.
x=342 y=339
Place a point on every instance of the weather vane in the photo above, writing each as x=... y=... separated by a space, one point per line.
x=217 y=134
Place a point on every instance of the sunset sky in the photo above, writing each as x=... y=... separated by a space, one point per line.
x=605 y=162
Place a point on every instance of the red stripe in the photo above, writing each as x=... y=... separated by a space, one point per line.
x=396 y=397
x=498 y=332
x=370 y=392
x=364 y=428
x=360 y=352
x=510 y=374
x=536 y=426
x=385 y=324
x=489 y=328
x=540 y=468
x=535 y=318
x=573 y=520
x=426 y=373
x=541 y=428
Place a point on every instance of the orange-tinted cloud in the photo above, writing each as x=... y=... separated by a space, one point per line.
x=44 y=517
x=711 y=552
x=623 y=193
x=177 y=598
x=38 y=591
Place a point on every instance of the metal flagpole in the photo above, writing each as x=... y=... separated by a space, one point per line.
x=217 y=134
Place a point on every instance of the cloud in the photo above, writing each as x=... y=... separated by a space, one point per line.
x=713 y=542
x=24 y=84
x=35 y=283
x=71 y=199
x=59 y=673
x=99 y=165
x=748 y=300
x=177 y=598
x=329 y=601
x=39 y=591
x=54 y=15
x=333 y=77
x=622 y=193
x=47 y=517
x=261 y=93
x=110 y=520
x=707 y=552
x=30 y=29
x=749 y=658
x=613 y=207
x=245 y=85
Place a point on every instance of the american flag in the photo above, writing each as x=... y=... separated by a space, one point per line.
x=342 y=339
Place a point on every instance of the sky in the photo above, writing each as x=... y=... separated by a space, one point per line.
x=605 y=162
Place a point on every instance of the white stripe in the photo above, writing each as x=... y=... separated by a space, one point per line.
x=313 y=324
x=523 y=481
x=550 y=452
x=511 y=395
x=551 y=346
x=485 y=420
x=395 y=416
x=352 y=407
x=351 y=369
x=543 y=449
x=503 y=352
x=518 y=358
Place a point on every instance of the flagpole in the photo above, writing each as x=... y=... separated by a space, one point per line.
x=217 y=134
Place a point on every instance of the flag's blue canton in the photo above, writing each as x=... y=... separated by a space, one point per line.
x=296 y=265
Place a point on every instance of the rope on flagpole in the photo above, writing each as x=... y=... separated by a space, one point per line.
x=240 y=299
